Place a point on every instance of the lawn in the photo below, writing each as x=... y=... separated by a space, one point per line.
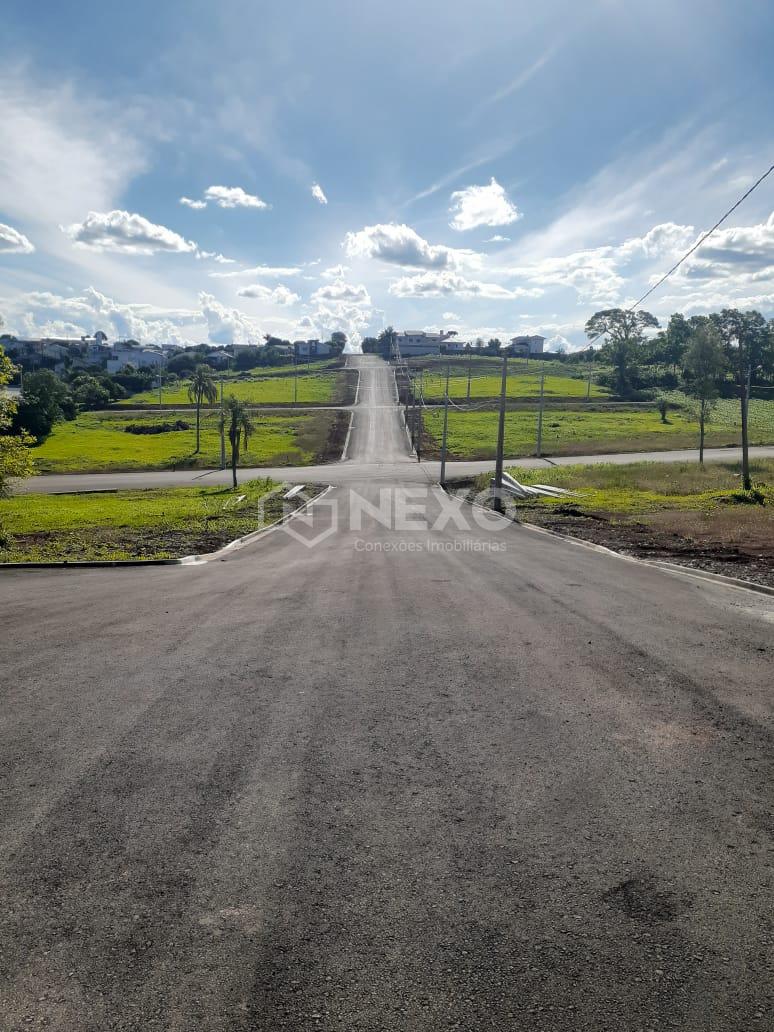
x=98 y=442
x=315 y=388
x=159 y=523
x=521 y=384
x=473 y=435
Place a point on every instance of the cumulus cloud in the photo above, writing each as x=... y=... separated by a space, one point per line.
x=233 y=197
x=317 y=193
x=482 y=206
x=14 y=242
x=44 y=313
x=126 y=233
x=399 y=244
x=445 y=283
x=196 y=205
x=277 y=296
x=497 y=239
x=226 y=325
x=341 y=291
x=738 y=250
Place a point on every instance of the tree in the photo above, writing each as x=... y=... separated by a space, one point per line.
x=625 y=332
x=45 y=401
x=240 y=426
x=493 y=346
x=89 y=393
x=201 y=388
x=676 y=340
x=15 y=458
x=745 y=340
x=387 y=342
x=704 y=363
x=338 y=342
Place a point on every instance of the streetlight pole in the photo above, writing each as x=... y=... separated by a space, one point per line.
x=498 y=485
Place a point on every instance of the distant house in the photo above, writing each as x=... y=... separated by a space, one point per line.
x=311 y=349
x=527 y=345
x=419 y=342
x=456 y=347
x=124 y=354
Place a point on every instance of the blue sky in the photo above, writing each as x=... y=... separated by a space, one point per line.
x=497 y=167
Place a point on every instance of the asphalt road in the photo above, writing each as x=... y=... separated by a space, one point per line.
x=395 y=780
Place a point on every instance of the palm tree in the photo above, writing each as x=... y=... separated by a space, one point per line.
x=240 y=426
x=201 y=388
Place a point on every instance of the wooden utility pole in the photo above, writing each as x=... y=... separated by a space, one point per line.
x=498 y=484
x=470 y=364
x=746 y=481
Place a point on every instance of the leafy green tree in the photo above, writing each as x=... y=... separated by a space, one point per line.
x=704 y=365
x=387 y=341
x=15 y=459
x=676 y=340
x=89 y=393
x=625 y=333
x=239 y=426
x=493 y=346
x=201 y=388
x=338 y=342
x=45 y=400
x=745 y=339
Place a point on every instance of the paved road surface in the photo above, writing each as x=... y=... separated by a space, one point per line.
x=399 y=780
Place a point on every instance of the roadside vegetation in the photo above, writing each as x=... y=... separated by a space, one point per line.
x=102 y=442
x=693 y=515
x=152 y=524
x=315 y=388
x=588 y=431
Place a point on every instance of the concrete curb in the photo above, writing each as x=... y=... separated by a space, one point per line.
x=657 y=564
x=185 y=560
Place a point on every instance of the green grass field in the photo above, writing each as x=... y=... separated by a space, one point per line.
x=159 y=523
x=520 y=384
x=645 y=487
x=97 y=442
x=316 y=388
x=473 y=435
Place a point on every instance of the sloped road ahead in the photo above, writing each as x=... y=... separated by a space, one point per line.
x=455 y=776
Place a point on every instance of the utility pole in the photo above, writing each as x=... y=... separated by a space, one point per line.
x=588 y=384
x=470 y=365
x=445 y=427
x=295 y=375
x=222 y=426
x=539 y=447
x=746 y=482
x=160 y=365
x=498 y=488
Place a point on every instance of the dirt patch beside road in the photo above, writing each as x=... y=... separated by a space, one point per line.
x=738 y=542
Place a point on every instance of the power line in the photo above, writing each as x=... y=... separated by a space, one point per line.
x=695 y=247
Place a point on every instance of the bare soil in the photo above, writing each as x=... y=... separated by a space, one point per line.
x=737 y=541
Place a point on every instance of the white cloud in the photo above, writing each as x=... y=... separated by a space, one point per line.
x=402 y=245
x=451 y=316
x=14 y=242
x=497 y=239
x=233 y=197
x=737 y=250
x=317 y=193
x=41 y=313
x=482 y=206
x=227 y=325
x=196 y=205
x=269 y=271
x=341 y=291
x=278 y=295
x=558 y=343
x=127 y=233
x=444 y=283
x=335 y=272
